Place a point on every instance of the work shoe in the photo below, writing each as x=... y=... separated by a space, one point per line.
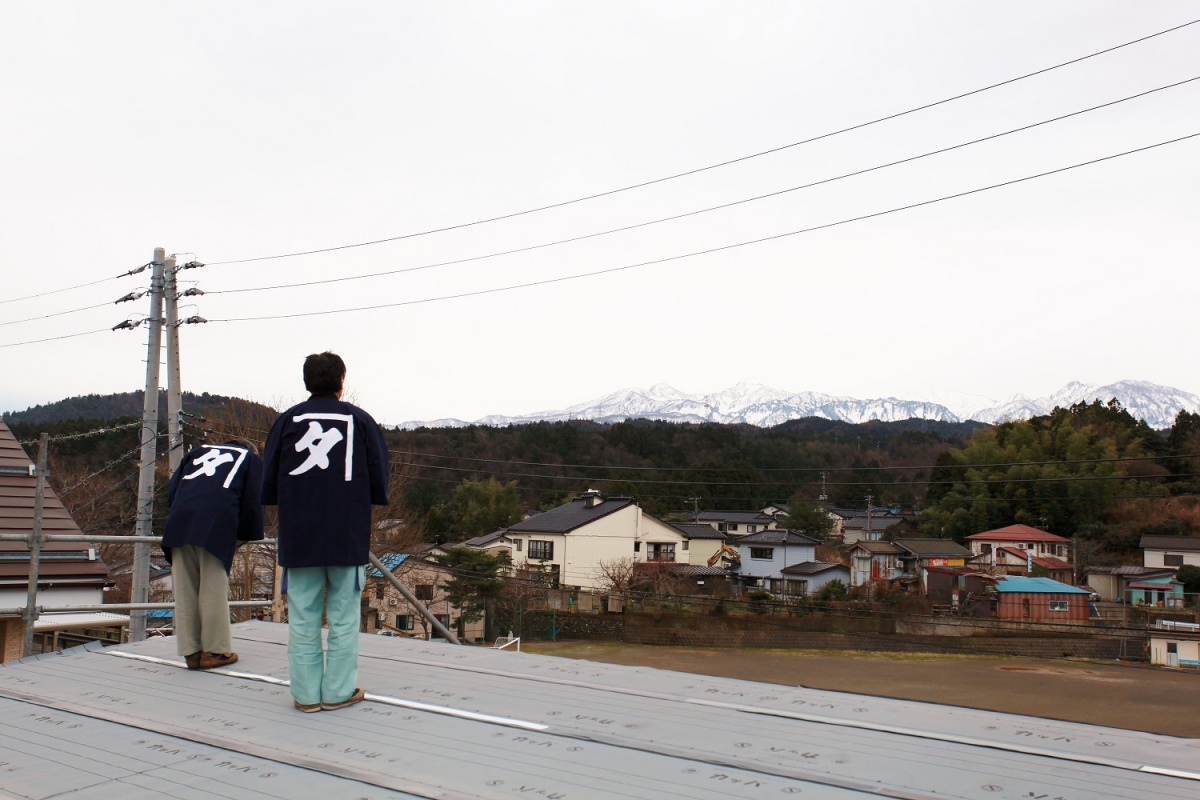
x=213 y=660
x=193 y=661
x=358 y=695
x=307 y=708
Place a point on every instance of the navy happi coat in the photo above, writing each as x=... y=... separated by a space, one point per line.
x=325 y=465
x=214 y=499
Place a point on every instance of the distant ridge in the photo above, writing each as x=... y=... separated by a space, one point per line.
x=110 y=406
x=763 y=406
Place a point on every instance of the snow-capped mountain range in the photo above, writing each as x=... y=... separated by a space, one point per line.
x=764 y=406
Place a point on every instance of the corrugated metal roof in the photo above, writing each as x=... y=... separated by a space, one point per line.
x=444 y=721
x=1022 y=583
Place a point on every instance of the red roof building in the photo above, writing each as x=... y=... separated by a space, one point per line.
x=1022 y=537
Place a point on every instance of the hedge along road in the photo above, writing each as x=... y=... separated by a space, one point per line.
x=1116 y=694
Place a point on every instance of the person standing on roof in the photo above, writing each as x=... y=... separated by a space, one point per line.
x=214 y=499
x=325 y=466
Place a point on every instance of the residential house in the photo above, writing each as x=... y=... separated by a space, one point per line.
x=571 y=543
x=735 y=523
x=1040 y=600
x=496 y=543
x=1158 y=590
x=874 y=562
x=807 y=577
x=385 y=609
x=1016 y=561
x=69 y=573
x=1116 y=584
x=864 y=528
x=954 y=586
x=918 y=554
x=1023 y=537
x=705 y=543
x=765 y=554
x=1170 y=551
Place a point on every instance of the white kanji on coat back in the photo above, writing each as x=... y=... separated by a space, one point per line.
x=214 y=456
x=320 y=441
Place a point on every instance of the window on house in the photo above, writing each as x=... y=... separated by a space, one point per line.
x=379 y=591
x=1059 y=605
x=404 y=622
x=685 y=545
x=732 y=526
x=662 y=552
x=541 y=550
x=765 y=553
x=722 y=527
x=1171 y=560
x=517 y=544
x=637 y=547
x=425 y=591
x=444 y=619
x=751 y=528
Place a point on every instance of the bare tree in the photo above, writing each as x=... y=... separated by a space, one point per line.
x=617 y=575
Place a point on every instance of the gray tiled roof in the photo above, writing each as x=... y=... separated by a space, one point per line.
x=749 y=517
x=877 y=547
x=570 y=516
x=873 y=523
x=811 y=568
x=933 y=547
x=700 y=531
x=778 y=536
x=1154 y=542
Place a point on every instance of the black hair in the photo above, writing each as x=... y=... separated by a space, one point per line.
x=323 y=373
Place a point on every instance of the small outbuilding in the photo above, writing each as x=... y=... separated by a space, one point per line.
x=1040 y=600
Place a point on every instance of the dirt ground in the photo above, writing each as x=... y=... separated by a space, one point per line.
x=1119 y=695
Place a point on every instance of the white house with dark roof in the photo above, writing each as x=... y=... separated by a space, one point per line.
x=735 y=523
x=1170 y=551
x=571 y=541
x=704 y=542
x=864 y=528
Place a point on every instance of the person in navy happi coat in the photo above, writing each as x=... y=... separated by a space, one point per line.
x=215 y=503
x=325 y=465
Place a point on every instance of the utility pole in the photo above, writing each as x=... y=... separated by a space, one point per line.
x=140 y=586
x=174 y=387
x=35 y=545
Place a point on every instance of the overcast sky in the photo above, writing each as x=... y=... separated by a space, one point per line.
x=230 y=131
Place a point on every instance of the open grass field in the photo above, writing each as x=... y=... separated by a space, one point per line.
x=1116 y=694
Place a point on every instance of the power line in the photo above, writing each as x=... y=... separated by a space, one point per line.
x=56 y=338
x=125 y=274
x=710 y=167
x=708 y=251
x=55 y=314
x=706 y=210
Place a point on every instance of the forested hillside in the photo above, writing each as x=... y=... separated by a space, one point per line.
x=109 y=406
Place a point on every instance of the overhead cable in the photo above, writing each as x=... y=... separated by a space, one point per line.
x=125 y=274
x=708 y=251
x=699 y=211
x=709 y=167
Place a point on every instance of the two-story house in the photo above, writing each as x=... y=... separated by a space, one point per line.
x=1023 y=537
x=1170 y=551
x=385 y=609
x=874 y=562
x=570 y=542
x=735 y=523
x=918 y=554
x=783 y=562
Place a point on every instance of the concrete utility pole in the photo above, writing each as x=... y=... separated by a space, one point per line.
x=35 y=545
x=140 y=589
x=174 y=386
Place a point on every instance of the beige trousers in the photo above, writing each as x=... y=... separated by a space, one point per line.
x=201 y=602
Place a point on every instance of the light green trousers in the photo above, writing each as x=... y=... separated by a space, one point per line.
x=201 y=601
x=328 y=676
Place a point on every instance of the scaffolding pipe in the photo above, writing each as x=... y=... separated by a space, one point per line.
x=99 y=539
x=36 y=538
x=11 y=612
x=412 y=599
